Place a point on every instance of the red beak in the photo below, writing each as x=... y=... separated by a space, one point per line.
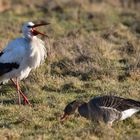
x=35 y=32
x=40 y=24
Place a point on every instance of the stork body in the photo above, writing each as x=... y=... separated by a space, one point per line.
x=26 y=54
x=21 y=56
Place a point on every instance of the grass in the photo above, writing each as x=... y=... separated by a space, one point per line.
x=93 y=49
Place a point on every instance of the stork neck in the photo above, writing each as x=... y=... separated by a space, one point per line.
x=30 y=38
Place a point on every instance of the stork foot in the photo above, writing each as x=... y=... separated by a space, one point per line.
x=25 y=99
x=26 y=102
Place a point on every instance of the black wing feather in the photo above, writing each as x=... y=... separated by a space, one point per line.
x=7 y=67
x=1 y=53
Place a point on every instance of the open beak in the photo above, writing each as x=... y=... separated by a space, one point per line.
x=35 y=32
x=64 y=117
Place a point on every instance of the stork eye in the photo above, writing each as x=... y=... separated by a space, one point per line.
x=29 y=26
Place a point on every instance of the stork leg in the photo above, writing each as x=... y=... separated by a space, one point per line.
x=16 y=84
x=18 y=88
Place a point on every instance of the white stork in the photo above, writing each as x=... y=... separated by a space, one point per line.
x=21 y=56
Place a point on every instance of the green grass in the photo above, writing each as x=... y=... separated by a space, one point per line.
x=93 y=50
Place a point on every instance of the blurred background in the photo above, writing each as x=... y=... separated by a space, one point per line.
x=93 y=49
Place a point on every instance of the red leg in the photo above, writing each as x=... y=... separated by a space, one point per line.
x=26 y=101
x=18 y=88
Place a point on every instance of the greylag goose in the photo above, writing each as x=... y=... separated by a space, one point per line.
x=103 y=108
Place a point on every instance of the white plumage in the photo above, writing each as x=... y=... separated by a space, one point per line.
x=26 y=52
x=128 y=113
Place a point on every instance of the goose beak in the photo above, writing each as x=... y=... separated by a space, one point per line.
x=64 y=117
x=36 y=32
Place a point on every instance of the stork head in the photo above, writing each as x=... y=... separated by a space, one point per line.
x=29 y=29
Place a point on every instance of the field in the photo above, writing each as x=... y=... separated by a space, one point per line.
x=93 y=49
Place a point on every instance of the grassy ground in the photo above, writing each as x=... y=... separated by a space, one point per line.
x=93 y=49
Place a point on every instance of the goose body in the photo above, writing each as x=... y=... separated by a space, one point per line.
x=104 y=108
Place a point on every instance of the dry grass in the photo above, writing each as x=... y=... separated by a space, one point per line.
x=93 y=50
